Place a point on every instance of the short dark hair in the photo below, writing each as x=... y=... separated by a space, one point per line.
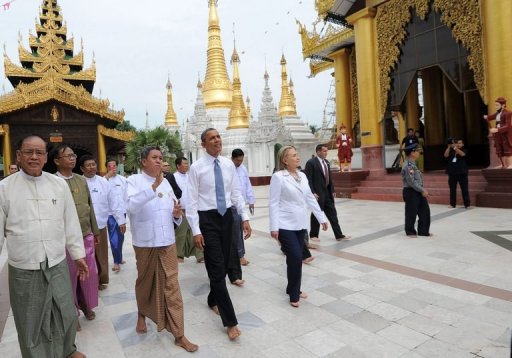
x=58 y=149
x=111 y=160
x=85 y=158
x=146 y=150
x=237 y=152
x=179 y=160
x=410 y=129
x=22 y=140
x=320 y=146
x=203 y=135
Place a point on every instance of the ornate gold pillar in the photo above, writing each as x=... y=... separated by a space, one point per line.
x=6 y=148
x=102 y=153
x=434 y=112
x=343 y=91
x=412 y=106
x=496 y=15
x=368 y=89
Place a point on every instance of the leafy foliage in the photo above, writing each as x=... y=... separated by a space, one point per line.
x=126 y=126
x=169 y=143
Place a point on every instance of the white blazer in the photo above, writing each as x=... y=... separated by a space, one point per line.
x=290 y=202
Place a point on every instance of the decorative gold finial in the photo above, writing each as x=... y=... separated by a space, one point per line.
x=217 y=89
x=286 y=107
x=237 y=115
x=170 y=115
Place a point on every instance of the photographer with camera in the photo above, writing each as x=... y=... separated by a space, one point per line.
x=457 y=170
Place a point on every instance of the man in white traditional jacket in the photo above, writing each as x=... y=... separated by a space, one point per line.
x=38 y=222
x=153 y=210
x=104 y=202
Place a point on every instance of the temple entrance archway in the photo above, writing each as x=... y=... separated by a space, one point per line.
x=434 y=88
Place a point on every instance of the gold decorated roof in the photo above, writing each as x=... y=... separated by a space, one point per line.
x=238 y=117
x=170 y=115
x=53 y=87
x=286 y=105
x=124 y=136
x=217 y=89
x=49 y=50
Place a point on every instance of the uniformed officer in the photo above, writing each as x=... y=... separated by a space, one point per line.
x=415 y=196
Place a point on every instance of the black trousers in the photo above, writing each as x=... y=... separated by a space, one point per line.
x=292 y=244
x=462 y=179
x=416 y=205
x=332 y=215
x=219 y=252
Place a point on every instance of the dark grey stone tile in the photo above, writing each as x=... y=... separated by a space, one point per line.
x=118 y=298
x=200 y=290
x=369 y=321
x=408 y=303
x=249 y=321
x=334 y=290
x=341 y=309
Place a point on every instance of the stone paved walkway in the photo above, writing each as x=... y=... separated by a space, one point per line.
x=378 y=295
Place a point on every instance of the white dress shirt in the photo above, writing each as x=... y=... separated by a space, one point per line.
x=245 y=184
x=150 y=212
x=201 y=189
x=104 y=201
x=289 y=202
x=38 y=221
x=118 y=186
x=182 y=180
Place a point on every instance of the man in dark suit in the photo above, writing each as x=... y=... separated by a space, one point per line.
x=319 y=177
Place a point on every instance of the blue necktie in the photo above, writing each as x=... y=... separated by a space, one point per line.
x=219 y=188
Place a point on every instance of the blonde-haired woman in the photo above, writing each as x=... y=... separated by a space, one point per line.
x=290 y=199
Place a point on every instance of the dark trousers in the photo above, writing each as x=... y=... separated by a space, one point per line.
x=292 y=244
x=416 y=205
x=219 y=251
x=462 y=179
x=332 y=215
x=240 y=242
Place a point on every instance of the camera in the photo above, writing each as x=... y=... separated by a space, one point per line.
x=450 y=140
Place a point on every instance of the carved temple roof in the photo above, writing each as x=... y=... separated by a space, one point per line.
x=50 y=49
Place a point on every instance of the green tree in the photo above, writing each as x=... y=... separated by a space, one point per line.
x=126 y=126
x=313 y=128
x=168 y=142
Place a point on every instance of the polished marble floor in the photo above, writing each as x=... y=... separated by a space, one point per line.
x=378 y=295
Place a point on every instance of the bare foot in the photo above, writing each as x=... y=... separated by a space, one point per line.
x=102 y=287
x=77 y=354
x=123 y=262
x=215 y=309
x=308 y=260
x=234 y=332
x=116 y=268
x=141 y=324
x=295 y=304
x=312 y=247
x=412 y=236
x=244 y=261
x=181 y=260
x=184 y=343
x=303 y=295
x=238 y=282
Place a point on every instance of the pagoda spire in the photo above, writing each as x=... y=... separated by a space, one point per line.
x=267 y=109
x=292 y=95
x=248 y=106
x=217 y=89
x=286 y=107
x=51 y=52
x=170 y=116
x=237 y=115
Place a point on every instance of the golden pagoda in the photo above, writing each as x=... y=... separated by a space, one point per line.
x=170 y=115
x=217 y=89
x=248 y=107
x=292 y=94
x=52 y=95
x=238 y=117
x=286 y=103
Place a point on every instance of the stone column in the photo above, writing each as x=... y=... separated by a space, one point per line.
x=102 y=154
x=343 y=89
x=372 y=148
x=7 y=149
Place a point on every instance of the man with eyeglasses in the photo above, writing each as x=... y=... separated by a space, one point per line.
x=39 y=223
x=116 y=229
x=85 y=292
x=13 y=168
x=104 y=201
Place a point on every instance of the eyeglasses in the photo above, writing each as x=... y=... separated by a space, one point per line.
x=30 y=153
x=68 y=156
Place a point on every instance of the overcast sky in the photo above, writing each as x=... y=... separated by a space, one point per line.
x=137 y=43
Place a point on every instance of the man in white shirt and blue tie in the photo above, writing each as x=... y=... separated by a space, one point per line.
x=214 y=198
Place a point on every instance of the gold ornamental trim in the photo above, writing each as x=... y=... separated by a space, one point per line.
x=354 y=88
x=317 y=66
x=313 y=43
x=53 y=87
x=323 y=6
x=462 y=17
x=124 y=136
